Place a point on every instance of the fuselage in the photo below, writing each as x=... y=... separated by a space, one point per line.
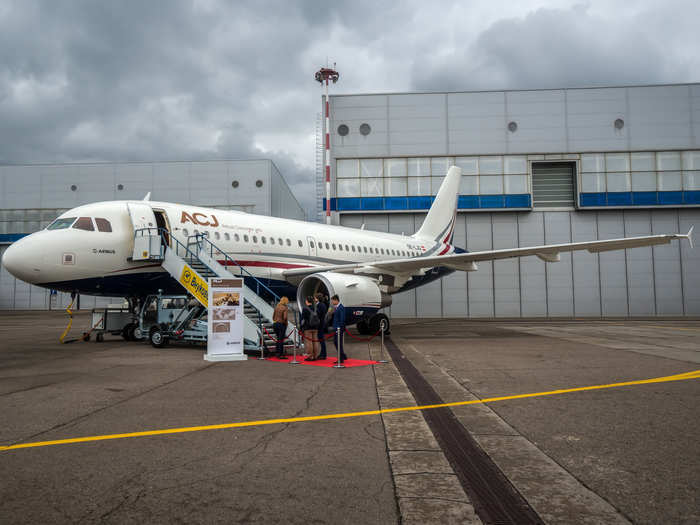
x=88 y=249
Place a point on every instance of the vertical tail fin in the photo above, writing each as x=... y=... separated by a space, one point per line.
x=439 y=224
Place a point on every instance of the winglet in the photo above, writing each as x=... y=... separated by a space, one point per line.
x=689 y=236
x=147 y=197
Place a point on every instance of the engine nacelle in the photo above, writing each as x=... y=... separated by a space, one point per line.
x=360 y=295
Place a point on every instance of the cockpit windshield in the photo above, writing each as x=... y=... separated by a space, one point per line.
x=61 y=224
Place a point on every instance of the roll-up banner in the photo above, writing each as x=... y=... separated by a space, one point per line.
x=225 y=331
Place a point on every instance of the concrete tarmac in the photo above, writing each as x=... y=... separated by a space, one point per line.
x=621 y=455
x=321 y=472
x=637 y=447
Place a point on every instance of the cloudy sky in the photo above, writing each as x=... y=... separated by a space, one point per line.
x=211 y=79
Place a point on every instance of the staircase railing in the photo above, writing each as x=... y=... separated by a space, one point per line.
x=204 y=243
x=191 y=254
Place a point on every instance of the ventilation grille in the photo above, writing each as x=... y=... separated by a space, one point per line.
x=553 y=184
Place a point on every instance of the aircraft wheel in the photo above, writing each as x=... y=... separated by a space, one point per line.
x=128 y=332
x=376 y=321
x=363 y=328
x=158 y=340
x=138 y=334
x=100 y=337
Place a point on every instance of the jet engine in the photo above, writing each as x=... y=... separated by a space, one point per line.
x=356 y=292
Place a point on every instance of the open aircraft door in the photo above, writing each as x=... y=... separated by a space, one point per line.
x=147 y=245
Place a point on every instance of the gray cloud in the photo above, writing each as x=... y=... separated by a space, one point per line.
x=177 y=79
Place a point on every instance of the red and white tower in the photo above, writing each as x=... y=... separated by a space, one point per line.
x=323 y=76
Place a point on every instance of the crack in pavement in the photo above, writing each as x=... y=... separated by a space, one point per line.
x=71 y=422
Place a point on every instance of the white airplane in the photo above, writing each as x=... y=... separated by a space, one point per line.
x=90 y=250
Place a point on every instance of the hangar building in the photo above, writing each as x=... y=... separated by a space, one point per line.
x=31 y=196
x=539 y=167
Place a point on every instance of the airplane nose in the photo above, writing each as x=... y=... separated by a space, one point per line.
x=21 y=262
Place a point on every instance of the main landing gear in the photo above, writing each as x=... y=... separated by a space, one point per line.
x=372 y=325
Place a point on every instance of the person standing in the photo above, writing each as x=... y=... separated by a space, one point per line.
x=279 y=325
x=321 y=310
x=338 y=324
x=309 y=326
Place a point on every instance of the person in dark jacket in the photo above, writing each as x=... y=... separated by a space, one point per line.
x=309 y=327
x=338 y=323
x=321 y=310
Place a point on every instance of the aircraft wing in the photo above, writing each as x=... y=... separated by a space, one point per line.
x=467 y=261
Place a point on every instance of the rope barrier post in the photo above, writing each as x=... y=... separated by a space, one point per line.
x=339 y=334
x=262 y=344
x=294 y=359
x=382 y=327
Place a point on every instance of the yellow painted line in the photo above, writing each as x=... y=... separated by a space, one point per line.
x=695 y=374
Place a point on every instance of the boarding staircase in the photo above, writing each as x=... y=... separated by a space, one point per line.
x=203 y=257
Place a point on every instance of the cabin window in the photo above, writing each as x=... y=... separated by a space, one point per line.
x=382 y=250
x=185 y=232
x=61 y=224
x=196 y=232
x=334 y=246
x=255 y=239
x=236 y=237
x=353 y=247
x=347 y=248
x=289 y=243
x=327 y=247
x=311 y=244
x=216 y=235
x=340 y=247
x=365 y=248
x=263 y=239
x=320 y=246
x=272 y=240
x=245 y=238
x=227 y=236
x=103 y=225
x=301 y=244
x=84 y=223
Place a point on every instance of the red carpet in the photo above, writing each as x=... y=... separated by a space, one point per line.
x=327 y=363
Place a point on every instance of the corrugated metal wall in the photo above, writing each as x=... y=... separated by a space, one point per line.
x=658 y=281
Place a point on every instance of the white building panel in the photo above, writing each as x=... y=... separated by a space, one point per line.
x=171 y=182
x=640 y=266
x=506 y=272
x=541 y=120
x=690 y=261
x=668 y=278
x=454 y=286
x=480 y=284
x=533 y=282
x=560 y=299
x=136 y=178
x=660 y=117
x=613 y=273
x=591 y=115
